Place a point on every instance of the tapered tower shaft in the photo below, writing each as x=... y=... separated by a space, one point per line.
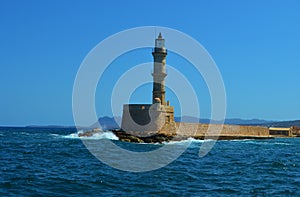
x=159 y=73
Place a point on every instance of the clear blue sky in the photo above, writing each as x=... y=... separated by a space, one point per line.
x=256 y=45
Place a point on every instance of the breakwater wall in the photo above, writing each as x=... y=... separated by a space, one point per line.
x=214 y=130
x=180 y=131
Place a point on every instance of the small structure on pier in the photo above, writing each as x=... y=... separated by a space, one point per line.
x=285 y=131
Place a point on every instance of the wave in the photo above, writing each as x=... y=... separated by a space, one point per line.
x=187 y=141
x=96 y=136
x=238 y=140
x=21 y=133
x=282 y=143
x=266 y=142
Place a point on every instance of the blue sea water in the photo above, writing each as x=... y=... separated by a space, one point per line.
x=53 y=162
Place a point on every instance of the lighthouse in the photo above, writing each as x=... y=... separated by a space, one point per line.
x=159 y=115
x=159 y=72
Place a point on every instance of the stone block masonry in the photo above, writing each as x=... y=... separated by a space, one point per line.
x=213 y=130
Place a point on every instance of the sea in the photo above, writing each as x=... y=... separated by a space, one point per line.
x=56 y=162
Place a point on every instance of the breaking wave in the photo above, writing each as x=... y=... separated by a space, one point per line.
x=187 y=141
x=270 y=143
x=96 y=136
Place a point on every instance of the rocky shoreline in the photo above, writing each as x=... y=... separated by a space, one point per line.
x=127 y=137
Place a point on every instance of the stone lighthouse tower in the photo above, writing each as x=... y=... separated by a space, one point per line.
x=159 y=72
x=158 y=116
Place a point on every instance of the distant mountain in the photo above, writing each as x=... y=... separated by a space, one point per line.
x=50 y=126
x=108 y=123
x=237 y=121
x=284 y=123
x=234 y=121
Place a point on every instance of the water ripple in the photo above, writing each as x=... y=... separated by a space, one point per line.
x=46 y=162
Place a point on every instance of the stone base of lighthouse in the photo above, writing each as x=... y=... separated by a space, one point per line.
x=148 y=118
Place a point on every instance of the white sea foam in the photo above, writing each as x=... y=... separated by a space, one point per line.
x=282 y=143
x=239 y=140
x=22 y=133
x=266 y=142
x=96 y=136
x=187 y=141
